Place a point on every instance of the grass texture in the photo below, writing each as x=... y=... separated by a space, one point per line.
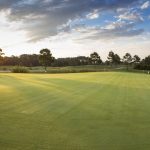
x=82 y=111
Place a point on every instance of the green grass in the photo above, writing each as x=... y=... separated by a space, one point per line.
x=83 y=111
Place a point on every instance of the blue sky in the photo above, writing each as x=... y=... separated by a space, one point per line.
x=74 y=27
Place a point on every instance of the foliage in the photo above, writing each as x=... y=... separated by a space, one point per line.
x=20 y=70
x=95 y=58
x=117 y=59
x=71 y=61
x=35 y=60
x=127 y=58
x=29 y=60
x=113 y=58
x=1 y=54
x=144 y=64
x=45 y=58
x=76 y=69
x=136 y=59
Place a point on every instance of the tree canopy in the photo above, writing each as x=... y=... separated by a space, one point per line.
x=113 y=58
x=1 y=52
x=45 y=58
x=95 y=58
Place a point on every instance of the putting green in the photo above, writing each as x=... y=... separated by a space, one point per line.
x=84 y=111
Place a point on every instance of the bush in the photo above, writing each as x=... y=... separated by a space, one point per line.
x=142 y=67
x=20 y=70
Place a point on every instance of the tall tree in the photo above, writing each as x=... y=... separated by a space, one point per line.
x=113 y=58
x=144 y=64
x=136 y=59
x=147 y=60
x=45 y=58
x=127 y=59
x=117 y=59
x=95 y=58
x=1 y=54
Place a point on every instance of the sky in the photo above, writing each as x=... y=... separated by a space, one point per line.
x=72 y=28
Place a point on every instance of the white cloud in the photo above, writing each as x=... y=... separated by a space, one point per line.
x=42 y=19
x=146 y=5
x=113 y=30
x=9 y=33
x=131 y=16
x=93 y=15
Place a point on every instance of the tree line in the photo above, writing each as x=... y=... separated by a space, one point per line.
x=45 y=58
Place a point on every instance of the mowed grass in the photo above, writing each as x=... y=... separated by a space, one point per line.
x=83 y=111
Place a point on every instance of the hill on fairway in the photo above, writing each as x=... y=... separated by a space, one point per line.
x=84 y=111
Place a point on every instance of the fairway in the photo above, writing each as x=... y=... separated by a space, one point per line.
x=82 y=111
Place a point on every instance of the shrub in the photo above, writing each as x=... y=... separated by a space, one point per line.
x=20 y=70
x=142 y=67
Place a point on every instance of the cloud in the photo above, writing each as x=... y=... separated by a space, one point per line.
x=131 y=16
x=43 y=18
x=109 y=32
x=145 y=5
x=93 y=15
x=5 y=4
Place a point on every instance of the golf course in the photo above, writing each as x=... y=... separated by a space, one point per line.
x=80 y=111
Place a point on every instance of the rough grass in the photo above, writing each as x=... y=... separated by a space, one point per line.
x=68 y=69
x=85 y=111
x=77 y=69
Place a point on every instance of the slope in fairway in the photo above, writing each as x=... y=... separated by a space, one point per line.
x=88 y=111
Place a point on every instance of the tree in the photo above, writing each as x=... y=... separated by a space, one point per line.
x=113 y=58
x=136 y=59
x=144 y=64
x=1 y=54
x=95 y=58
x=127 y=59
x=147 y=60
x=45 y=58
x=117 y=59
x=29 y=60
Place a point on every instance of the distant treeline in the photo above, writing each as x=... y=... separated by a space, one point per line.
x=32 y=60
x=144 y=64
